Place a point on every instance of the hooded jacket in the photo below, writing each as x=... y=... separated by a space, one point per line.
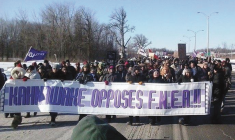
x=93 y=128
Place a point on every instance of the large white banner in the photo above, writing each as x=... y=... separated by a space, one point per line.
x=148 y=99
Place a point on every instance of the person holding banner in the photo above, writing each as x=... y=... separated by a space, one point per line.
x=47 y=66
x=31 y=73
x=166 y=74
x=185 y=77
x=156 y=78
x=71 y=69
x=83 y=77
x=55 y=75
x=136 y=77
x=18 y=73
x=110 y=77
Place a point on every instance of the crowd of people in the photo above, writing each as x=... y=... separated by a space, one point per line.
x=141 y=70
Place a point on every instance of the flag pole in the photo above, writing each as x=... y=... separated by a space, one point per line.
x=27 y=53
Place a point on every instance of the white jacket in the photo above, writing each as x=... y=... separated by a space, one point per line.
x=33 y=75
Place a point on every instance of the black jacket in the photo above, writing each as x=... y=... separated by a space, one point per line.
x=156 y=80
x=218 y=86
x=137 y=78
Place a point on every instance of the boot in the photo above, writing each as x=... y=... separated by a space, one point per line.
x=181 y=120
x=34 y=114
x=11 y=115
x=16 y=121
x=6 y=115
x=137 y=119
x=130 y=120
x=28 y=115
x=108 y=118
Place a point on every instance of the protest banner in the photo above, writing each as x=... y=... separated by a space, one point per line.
x=148 y=99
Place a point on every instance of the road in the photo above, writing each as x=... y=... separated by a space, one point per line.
x=200 y=128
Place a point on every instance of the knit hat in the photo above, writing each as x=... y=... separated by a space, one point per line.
x=67 y=61
x=18 y=72
x=34 y=64
x=45 y=61
x=186 y=71
x=63 y=62
x=111 y=67
x=93 y=128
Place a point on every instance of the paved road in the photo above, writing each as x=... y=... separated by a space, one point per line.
x=37 y=128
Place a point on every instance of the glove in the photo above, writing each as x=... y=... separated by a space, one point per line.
x=85 y=81
x=106 y=82
x=25 y=79
x=45 y=79
x=140 y=83
x=179 y=83
x=62 y=80
x=130 y=82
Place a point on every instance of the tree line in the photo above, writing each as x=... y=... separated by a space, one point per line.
x=67 y=32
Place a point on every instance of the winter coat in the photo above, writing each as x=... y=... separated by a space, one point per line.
x=167 y=80
x=204 y=74
x=54 y=76
x=110 y=77
x=44 y=75
x=156 y=80
x=128 y=76
x=229 y=66
x=94 y=77
x=84 y=76
x=2 y=81
x=33 y=75
x=72 y=71
x=218 y=86
x=227 y=71
x=185 y=79
x=121 y=76
x=66 y=76
x=137 y=78
x=197 y=73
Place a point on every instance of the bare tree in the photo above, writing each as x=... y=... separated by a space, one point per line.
x=119 y=23
x=140 y=41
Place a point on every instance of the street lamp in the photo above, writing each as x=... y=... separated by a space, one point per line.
x=208 y=17
x=189 y=39
x=195 y=35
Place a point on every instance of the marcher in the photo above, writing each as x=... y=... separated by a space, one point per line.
x=83 y=78
x=110 y=77
x=54 y=75
x=136 y=77
x=71 y=69
x=217 y=95
x=185 y=78
x=17 y=73
x=156 y=78
x=31 y=73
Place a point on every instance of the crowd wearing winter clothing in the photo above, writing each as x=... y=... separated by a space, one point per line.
x=141 y=70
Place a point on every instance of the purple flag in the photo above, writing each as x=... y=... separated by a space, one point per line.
x=194 y=54
x=35 y=55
